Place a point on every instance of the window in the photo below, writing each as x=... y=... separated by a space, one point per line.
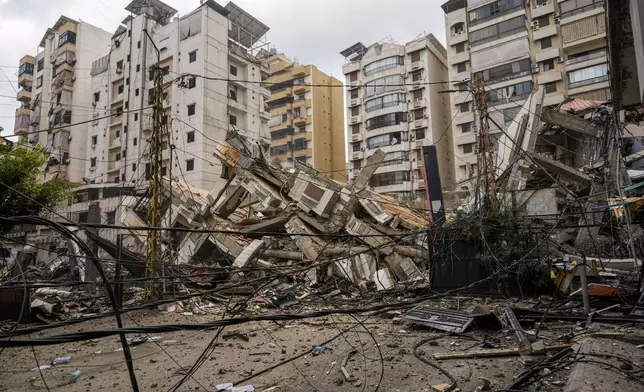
x=190 y=136
x=138 y=67
x=550 y=87
x=136 y=92
x=546 y=42
x=384 y=102
x=548 y=65
x=462 y=86
x=585 y=76
x=497 y=31
x=117 y=134
x=39 y=82
x=299 y=144
x=191 y=109
x=583 y=56
x=415 y=56
x=119 y=64
x=128 y=58
x=382 y=85
x=120 y=89
x=508 y=71
x=388 y=139
x=510 y=92
x=494 y=10
x=97 y=96
x=136 y=117
x=544 y=20
x=190 y=164
x=67 y=37
x=192 y=56
x=460 y=47
x=233 y=119
x=116 y=179
x=134 y=167
x=125 y=129
x=395 y=158
x=111 y=217
x=92 y=162
x=163 y=44
x=41 y=65
x=458 y=28
x=355 y=129
x=385 y=120
x=467 y=148
x=416 y=76
x=392 y=178
x=464 y=107
x=420 y=134
x=383 y=64
x=138 y=45
x=355 y=147
x=127 y=81
x=164 y=171
x=467 y=127
x=135 y=141
x=94 y=140
x=233 y=70
x=461 y=67
x=118 y=156
x=129 y=33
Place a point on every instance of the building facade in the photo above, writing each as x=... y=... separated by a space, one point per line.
x=520 y=45
x=307 y=117
x=55 y=93
x=199 y=111
x=394 y=104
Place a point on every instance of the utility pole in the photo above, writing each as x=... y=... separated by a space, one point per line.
x=154 y=188
x=486 y=152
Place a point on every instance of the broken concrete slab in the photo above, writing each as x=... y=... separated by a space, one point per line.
x=570 y=122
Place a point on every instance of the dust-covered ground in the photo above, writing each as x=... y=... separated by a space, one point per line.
x=381 y=347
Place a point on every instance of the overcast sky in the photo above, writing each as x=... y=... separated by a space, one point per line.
x=313 y=31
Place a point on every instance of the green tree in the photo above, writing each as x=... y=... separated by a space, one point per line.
x=21 y=190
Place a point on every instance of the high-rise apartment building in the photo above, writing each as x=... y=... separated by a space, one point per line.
x=55 y=92
x=394 y=104
x=519 y=45
x=213 y=43
x=307 y=117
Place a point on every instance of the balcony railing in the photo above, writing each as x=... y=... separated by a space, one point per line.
x=587 y=82
x=373 y=146
x=583 y=9
x=491 y=17
x=586 y=57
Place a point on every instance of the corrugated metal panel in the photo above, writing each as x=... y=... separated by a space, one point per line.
x=579 y=105
x=602 y=95
x=583 y=28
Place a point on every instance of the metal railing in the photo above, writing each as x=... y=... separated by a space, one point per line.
x=583 y=9
x=586 y=57
x=498 y=36
x=492 y=17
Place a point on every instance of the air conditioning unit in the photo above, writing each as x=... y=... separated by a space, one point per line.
x=94 y=104
x=561 y=60
x=535 y=68
x=425 y=116
x=92 y=169
x=73 y=78
x=556 y=18
x=93 y=146
x=119 y=70
x=73 y=61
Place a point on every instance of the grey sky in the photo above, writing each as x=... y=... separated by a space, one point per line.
x=313 y=31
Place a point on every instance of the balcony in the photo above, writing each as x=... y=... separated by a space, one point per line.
x=416 y=66
x=21 y=125
x=404 y=186
x=356 y=137
x=547 y=54
x=286 y=93
x=549 y=76
x=355 y=102
x=600 y=54
x=587 y=82
x=300 y=121
x=25 y=80
x=581 y=10
x=459 y=57
x=301 y=71
x=542 y=9
x=301 y=103
x=584 y=32
x=264 y=115
x=354 y=85
x=301 y=88
x=417 y=84
x=265 y=92
x=305 y=152
x=24 y=96
x=286 y=124
x=420 y=183
x=497 y=15
x=355 y=120
x=420 y=123
x=418 y=103
x=115 y=142
x=350 y=67
x=543 y=32
x=356 y=155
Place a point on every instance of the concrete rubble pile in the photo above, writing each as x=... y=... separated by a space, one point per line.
x=296 y=217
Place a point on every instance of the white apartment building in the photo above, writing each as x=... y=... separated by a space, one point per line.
x=519 y=45
x=394 y=104
x=55 y=91
x=199 y=112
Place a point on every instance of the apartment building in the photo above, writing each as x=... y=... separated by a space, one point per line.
x=394 y=104
x=307 y=116
x=55 y=91
x=519 y=45
x=199 y=112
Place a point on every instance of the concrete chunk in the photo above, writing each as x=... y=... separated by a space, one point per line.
x=248 y=253
x=570 y=122
x=560 y=168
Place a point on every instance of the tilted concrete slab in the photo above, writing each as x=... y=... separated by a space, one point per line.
x=571 y=122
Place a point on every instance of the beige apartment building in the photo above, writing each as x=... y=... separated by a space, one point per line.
x=520 y=45
x=394 y=103
x=307 y=116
